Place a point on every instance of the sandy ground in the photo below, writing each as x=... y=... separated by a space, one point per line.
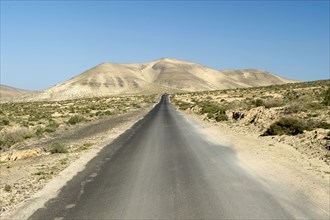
x=279 y=167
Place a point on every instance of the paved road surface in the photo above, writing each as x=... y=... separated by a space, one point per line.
x=163 y=168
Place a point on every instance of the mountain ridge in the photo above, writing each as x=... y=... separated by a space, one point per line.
x=8 y=92
x=157 y=76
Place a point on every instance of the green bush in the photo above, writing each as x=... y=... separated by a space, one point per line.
x=108 y=113
x=259 y=102
x=57 y=147
x=291 y=96
x=314 y=106
x=210 y=115
x=76 y=119
x=99 y=113
x=39 y=131
x=287 y=126
x=212 y=108
x=323 y=125
x=7 y=188
x=136 y=105
x=213 y=111
x=51 y=127
x=311 y=124
x=184 y=105
x=221 y=117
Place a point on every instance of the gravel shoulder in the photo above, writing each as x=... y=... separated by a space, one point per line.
x=278 y=166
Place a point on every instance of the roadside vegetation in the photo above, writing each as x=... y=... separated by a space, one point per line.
x=298 y=112
x=40 y=139
x=21 y=121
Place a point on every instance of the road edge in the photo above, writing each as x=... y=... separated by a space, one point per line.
x=26 y=208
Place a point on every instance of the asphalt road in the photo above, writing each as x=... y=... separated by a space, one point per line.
x=163 y=168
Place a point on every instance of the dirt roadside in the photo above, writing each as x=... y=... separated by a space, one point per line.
x=278 y=166
x=22 y=180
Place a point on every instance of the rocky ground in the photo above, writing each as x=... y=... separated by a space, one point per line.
x=304 y=108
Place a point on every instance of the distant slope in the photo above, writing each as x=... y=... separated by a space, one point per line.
x=163 y=75
x=7 y=92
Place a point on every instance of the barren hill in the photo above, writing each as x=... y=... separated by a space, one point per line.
x=7 y=92
x=163 y=75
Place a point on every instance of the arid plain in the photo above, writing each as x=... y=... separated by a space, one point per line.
x=279 y=124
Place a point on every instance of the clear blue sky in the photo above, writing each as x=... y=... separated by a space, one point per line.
x=45 y=43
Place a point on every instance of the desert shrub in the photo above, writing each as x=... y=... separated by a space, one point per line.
x=39 y=131
x=84 y=147
x=323 y=125
x=25 y=124
x=221 y=117
x=300 y=106
x=9 y=138
x=7 y=188
x=29 y=134
x=184 y=105
x=287 y=126
x=210 y=115
x=312 y=124
x=71 y=109
x=312 y=115
x=76 y=119
x=108 y=113
x=244 y=104
x=294 y=107
x=33 y=117
x=213 y=111
x=98 y=113
x=85 y=111
x=57 y=147
x=326 y=99
x=259 y=102
x=271 y=103
x=314 y=106
x=4 y=121
x=136 y=105
x=291 y=95
x=39 y=173
x=208 y=107
x=51 y=127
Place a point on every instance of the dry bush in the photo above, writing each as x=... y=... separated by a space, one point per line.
x=13 y=136
x=76 y=119
x=57 y=148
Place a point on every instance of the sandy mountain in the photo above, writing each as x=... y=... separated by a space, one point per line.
x=7 y=92
x=163 y=75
